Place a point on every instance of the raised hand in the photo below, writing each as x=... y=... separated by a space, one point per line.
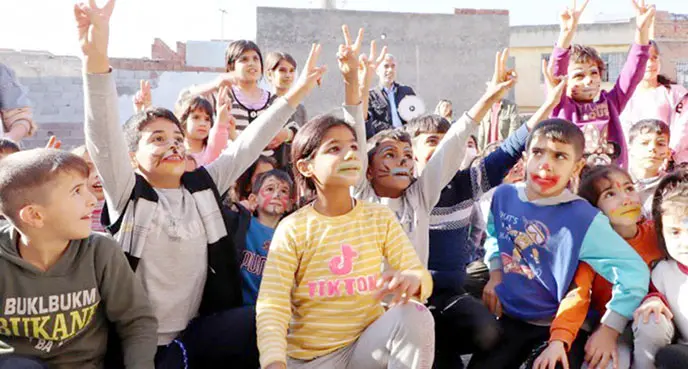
x=143 y=98
x=644 y=18
x=310 y=76
x=347 y=56
x=569 y=18
x=503 y=78
x=368 y=64
x=53 y=143
x=556 y=85
x=93 y=24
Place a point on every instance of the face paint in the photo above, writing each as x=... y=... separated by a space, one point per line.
x=400 y=171
x=544 y=181
x=349 y=168
x=172 y=154
x=269 y=199
x=631 y=211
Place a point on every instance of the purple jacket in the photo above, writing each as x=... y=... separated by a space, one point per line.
x=602 y=115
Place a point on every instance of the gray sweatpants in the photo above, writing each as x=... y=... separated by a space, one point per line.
x=402 y=338
x=649 y=338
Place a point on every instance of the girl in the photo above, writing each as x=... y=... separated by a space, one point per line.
x=444 y=109
x=319 y=301
x=658 y=97
x=244 y=185
x=610 y=189
x=205 y=140
x=670 y=278
x=95 y=186
x=245 y=61
x=280 y=69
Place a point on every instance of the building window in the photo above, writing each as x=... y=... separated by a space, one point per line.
x=682 y=73
x=613 y=63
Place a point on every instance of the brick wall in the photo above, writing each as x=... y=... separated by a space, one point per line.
x=54 y=85
x=671 y=32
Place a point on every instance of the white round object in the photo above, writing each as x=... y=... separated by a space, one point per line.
x=411 y=107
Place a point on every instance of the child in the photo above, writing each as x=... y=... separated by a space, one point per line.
x=464 y=324
x=61 y=285
x=598 y=116
x=444 y=109
x=272 y=197
x=167 y=221
x=658 y=97
x=537 y=233
x=610 y=189
x=649 y=152
x=205 y=140
x=670 y=278
x=280 y=69
x=318 y=303
x=7 y=147
x=96 y=188
x=244 y=184
x=390 y=179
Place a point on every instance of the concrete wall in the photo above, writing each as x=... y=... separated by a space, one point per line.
x=439 y=55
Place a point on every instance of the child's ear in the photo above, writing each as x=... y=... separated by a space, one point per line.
x=32 y=216
x=134 y=162
x=304 y=167
x=369 y=173
x=579 y=167
x=269 y=74
x=253 y=202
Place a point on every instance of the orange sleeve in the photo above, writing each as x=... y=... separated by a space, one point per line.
x=574 y=307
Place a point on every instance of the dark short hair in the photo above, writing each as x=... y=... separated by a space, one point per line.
x=427 y=124
x=559 y=130
x=672 y=190
x=139 y=121
x=396 y=134
x=655 y=126
x=273 y=59
x=243 y=183
x=591 y=184
x=236 y=48
x=278 y=174
x=8 y=146
x=586 y=54
x=26 y=177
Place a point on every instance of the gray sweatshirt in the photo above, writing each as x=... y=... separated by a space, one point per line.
x=174 y=258
x=414 y=206
x=61 y=315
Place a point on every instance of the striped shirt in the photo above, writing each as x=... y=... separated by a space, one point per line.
x=317 y=290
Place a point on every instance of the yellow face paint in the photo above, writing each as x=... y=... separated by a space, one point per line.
x=627 y=211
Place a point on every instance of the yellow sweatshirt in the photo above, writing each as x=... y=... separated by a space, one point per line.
x=320 y=277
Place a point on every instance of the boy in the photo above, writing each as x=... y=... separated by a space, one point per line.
x=169 y=222
x=649 y=152
x=537 y=233
x=7 y=147
x=597 y=112
x=389 y=167
x=464 y=324
x=272 y=197
x=61 y=285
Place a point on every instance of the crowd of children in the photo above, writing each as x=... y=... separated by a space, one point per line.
x=233 y=231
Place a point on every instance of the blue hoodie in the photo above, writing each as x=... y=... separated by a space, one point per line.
x=538 y=246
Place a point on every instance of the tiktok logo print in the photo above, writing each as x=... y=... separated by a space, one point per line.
x=345 y=282
x=527 y=244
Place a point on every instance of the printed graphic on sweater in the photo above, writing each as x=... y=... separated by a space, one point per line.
x=253 y=262
x=529 y=239
x=344 y=284
x=50 y=320
x=594 y=120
